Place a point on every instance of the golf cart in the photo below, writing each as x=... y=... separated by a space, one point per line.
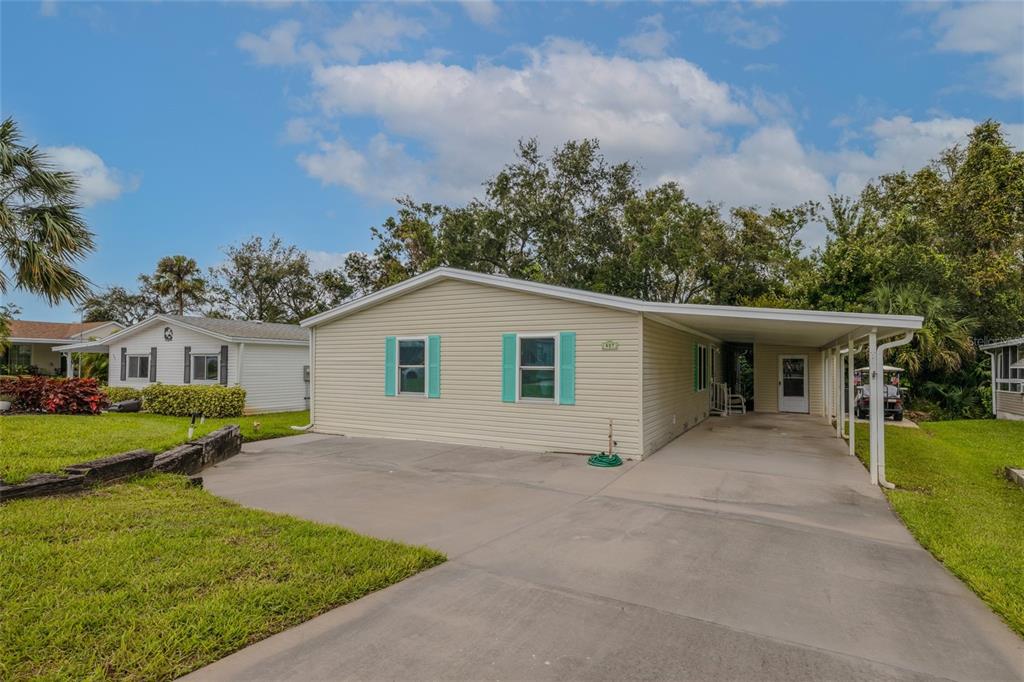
x=890 y=386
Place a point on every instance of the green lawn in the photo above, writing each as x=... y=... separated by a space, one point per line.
x=953 y=497
x=44 y=443
x=150 y=579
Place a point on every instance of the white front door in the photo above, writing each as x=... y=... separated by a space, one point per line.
x=793 y=383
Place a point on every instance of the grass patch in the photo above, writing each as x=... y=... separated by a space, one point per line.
x=953 y=497
x=45 y=443
x=151 y=579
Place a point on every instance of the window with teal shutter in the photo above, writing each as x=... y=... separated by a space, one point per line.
x=390 y=367
x=567 y=368
x=434 y=366
x=508 y=368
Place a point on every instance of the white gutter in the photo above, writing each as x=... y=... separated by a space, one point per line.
x=877 y=399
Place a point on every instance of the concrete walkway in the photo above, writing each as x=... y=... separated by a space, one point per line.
x=752 y=547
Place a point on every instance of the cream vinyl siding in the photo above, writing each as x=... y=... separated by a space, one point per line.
x=170 y=359
x=272 y=376
x=670 y=404
x=1009 y=405
x=766 y=376
x=470 y=319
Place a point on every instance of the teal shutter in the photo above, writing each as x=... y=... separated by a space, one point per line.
x=508 y=368
x=390 y=366
x=696 y=369
x=433 y=366
x=567 y=368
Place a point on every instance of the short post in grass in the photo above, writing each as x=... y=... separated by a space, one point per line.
x=192 y=425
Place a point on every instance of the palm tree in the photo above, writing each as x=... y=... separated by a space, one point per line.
x=178 y=279
x=943 y=343
x=41 y=234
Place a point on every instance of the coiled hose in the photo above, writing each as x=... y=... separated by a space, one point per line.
x=603 y=460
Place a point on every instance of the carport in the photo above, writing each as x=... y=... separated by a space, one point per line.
x=796 y=338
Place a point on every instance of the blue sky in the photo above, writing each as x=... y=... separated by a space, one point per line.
x=194 y=125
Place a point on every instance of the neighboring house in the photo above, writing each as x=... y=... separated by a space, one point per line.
x=30 y=347
x=463 y=357
x=269 y=360
x=1007 y=377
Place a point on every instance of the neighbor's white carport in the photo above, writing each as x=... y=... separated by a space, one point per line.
x=839 y=336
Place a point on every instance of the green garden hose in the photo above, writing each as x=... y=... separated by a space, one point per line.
x=603 y=460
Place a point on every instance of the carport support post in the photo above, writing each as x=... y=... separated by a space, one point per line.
x=849 y=389
x=825 y=385
x=876 y=407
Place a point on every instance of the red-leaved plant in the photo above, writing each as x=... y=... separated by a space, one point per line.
x=54 y=395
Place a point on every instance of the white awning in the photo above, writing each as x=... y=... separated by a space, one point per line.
x=83 y=347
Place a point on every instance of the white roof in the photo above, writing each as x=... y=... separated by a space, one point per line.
x=814 y=328
x=1001 y=344
x=241 y=331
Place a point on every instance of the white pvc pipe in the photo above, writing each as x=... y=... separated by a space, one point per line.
x=902 y=341
x=873 y=426
x=851 y=351
x=837 y=391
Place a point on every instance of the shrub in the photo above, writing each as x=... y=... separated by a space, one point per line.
x=73 y=396
x=56 y=395
x=183 y=401
x=116 y=394
x=27 y=392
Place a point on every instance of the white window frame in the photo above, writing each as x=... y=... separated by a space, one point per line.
x=192 y=368
x=128 y=366
x=702 y=364
x=1014 y=381
x=519 y=369
x=399 y=365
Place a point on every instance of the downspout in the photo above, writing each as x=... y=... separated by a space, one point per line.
x=851 y=353
x=312 y=379
x=880 y=399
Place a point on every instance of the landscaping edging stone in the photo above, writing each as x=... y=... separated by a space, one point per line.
x=188 y=458
x=1015 y=475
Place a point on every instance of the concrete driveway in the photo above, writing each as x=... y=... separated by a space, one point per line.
x=750 y=548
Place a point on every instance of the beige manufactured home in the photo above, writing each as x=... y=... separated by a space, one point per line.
x=463 y=357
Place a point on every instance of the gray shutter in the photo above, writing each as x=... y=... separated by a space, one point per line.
x=152 y=365
x=224 y=365
x=188 y=364
x=124 y=363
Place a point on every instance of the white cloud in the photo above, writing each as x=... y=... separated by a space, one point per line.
x=382 y=170
x=482 y=12
x=650 y=40
x=371 y=30
x=275 y=46
x=901 y=143
x=48 y=8
x=299 y=130
x=769 y=167
x=735 y=23
x=469 y=119
x=326 y=260
x=96 y=180
x=995 y=29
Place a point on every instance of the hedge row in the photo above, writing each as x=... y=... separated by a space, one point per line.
x=183 y=401
x=116 y=394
